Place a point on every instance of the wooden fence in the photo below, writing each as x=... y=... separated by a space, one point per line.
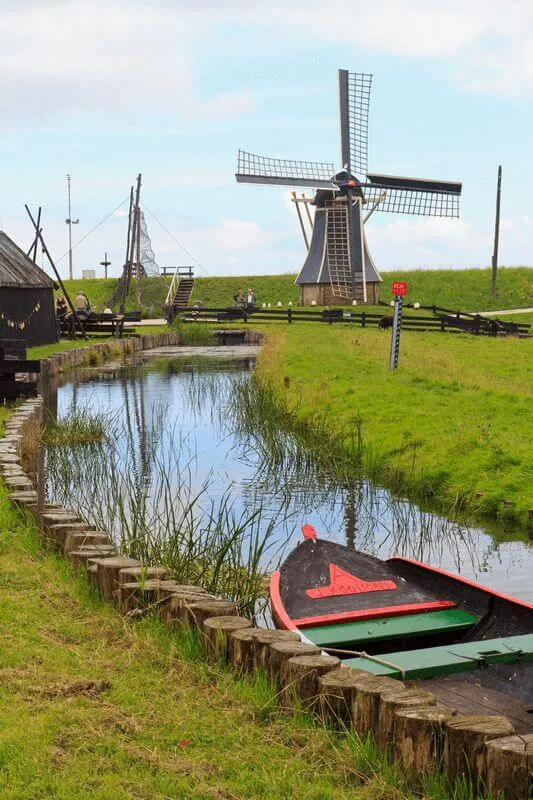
x=452 y=322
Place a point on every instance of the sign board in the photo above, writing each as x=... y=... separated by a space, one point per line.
x=399 y=288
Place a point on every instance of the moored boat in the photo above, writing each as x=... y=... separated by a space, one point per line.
x=404 y=619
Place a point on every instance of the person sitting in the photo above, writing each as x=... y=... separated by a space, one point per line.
x=61 y=307
x=82 y=304
x=240 y=299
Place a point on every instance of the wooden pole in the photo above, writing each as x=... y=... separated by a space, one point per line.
x=496 y=232
x=138 y=263
x=306 y=206
x=300 y=220
x=62 y=285
x=127 y=265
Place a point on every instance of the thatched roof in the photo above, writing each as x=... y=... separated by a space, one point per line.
x=17 y=270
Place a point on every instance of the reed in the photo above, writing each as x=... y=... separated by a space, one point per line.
x=143 y=489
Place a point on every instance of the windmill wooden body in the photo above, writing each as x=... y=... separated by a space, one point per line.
x=339 y=268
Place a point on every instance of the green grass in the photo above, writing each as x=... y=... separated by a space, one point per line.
x=452 y=426
x=464 y=289
x=160 y=723
x=96 y=708
x=100 y=290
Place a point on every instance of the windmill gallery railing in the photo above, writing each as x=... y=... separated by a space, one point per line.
x=447 y=321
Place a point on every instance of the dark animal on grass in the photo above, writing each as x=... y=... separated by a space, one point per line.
x=385 y=322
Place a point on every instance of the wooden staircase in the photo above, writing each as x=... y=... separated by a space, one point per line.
x=183 y=293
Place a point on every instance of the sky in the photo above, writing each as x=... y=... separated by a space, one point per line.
x=173 y=88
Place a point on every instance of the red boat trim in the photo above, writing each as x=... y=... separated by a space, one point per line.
x=466 y=581
x=278 y=609
x=349 y=616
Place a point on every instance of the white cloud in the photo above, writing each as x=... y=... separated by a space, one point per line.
x=238 y=235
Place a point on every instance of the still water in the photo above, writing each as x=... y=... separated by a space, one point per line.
x=177 y=415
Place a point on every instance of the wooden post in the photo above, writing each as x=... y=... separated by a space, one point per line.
x=280 y=652
x=240 y=649
x=132 y=574
x=261 y=641
x=366 y=705
x=496 y=232
x=79 y=558
x=201 y=610
x=108 y=572
x=337 y=691
x=299 y=679
x=77 y=540
x=464 y=749
x=57 y=534
x=510 y=767
x=390 y=702
x=216 y=633
x=173 y=611
x=419 y=738
x=92 y=573
x=137 y=596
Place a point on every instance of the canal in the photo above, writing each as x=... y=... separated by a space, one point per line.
x=177 y=456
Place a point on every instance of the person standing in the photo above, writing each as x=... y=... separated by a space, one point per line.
x=82 y=303
x=251 y=299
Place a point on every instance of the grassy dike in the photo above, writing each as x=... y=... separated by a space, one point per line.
x=465 y=289
x=96 y=707
x=452 y=426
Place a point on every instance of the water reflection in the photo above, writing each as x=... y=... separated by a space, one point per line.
x=179 y=414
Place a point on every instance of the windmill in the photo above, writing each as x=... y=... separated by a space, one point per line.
x=339 y=266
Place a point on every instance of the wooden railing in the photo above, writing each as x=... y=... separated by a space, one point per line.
x=470 y=323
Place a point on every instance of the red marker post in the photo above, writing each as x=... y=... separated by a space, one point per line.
x=399 y=290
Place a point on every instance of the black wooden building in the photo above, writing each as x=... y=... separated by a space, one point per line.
x=26 y=297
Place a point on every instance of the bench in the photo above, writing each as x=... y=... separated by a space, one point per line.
x=431 y=662
x=112 y=324
x=361 y=634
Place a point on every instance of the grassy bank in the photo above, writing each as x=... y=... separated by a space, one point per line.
x=452 y=426
x=467 y=289
x=100 y=290
x=96 y=708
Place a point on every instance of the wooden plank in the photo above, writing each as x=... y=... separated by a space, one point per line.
x=375 y=630
x=449 y=659
x=471 y=698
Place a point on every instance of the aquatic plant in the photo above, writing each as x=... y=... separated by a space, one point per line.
x=141 y=485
